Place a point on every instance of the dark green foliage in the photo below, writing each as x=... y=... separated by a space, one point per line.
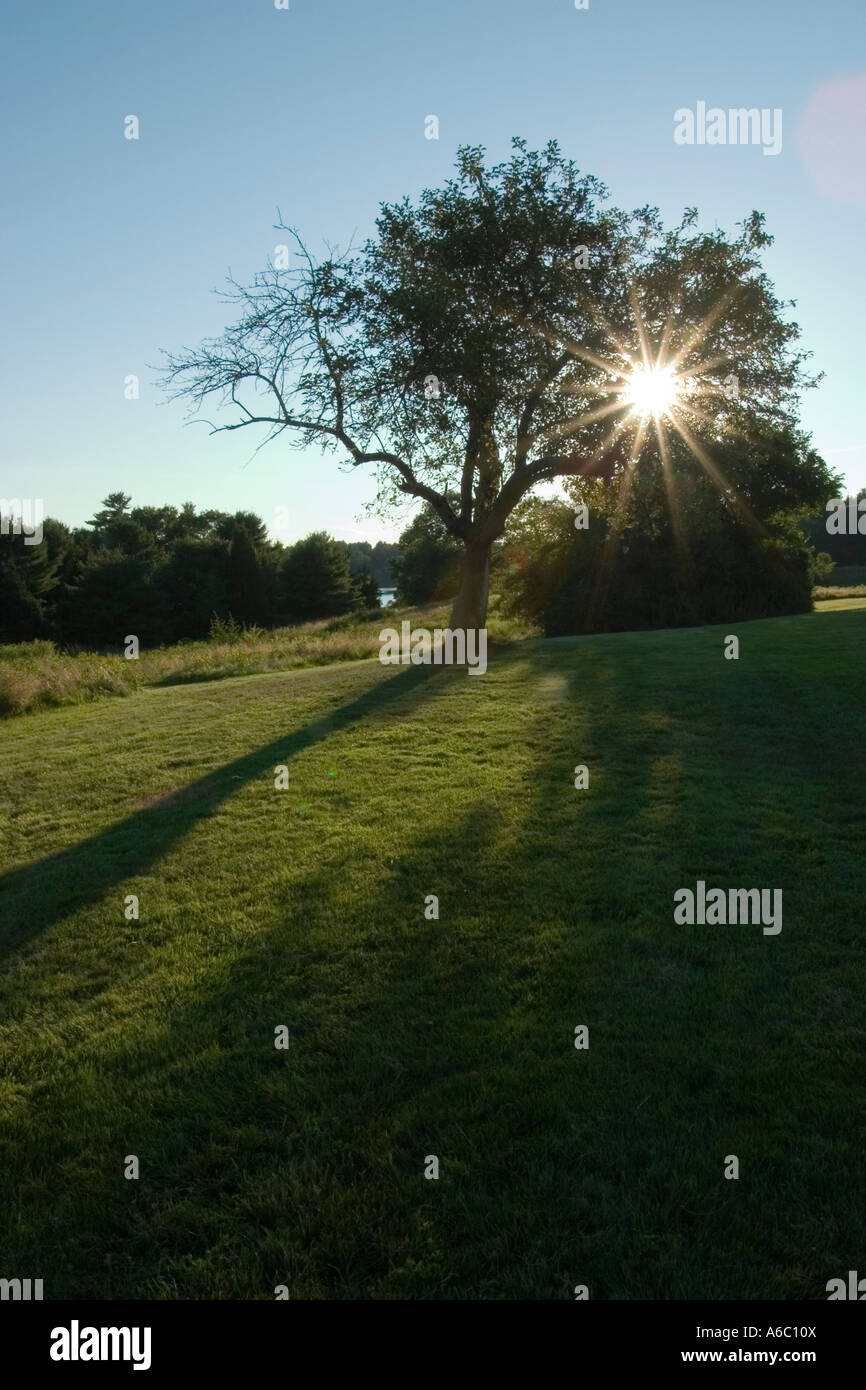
x=672 y=549
x=377 y=558
x=22 y=613
x=255 y=528
x=368 y=589
x=845 y=549
x=28 y=577
x=733 y=576
x=316 y=579
x=843 y=576
x=247 y=596
x=193 y=585
x=426 y=566
x=116 y=595
x=163 y=574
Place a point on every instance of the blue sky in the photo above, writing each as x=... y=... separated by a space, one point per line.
x=111 y=248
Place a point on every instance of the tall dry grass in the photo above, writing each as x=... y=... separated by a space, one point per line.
x=34 y=675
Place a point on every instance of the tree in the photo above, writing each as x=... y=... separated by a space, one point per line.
x=192 y=585
x=316 y=578
x=500 y=334
x=846 y=547
x=637 y=565
x=116 y=528
x=22 y=609
x=375 y=558
x=247 y=596
x=29 y=575
x=226 y=526
x=427 y=563
x=114 y=506
x=368 y=589
x=113 y=597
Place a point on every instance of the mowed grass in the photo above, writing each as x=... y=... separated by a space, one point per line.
x=413 y=1037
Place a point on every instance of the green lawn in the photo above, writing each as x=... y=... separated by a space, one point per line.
x=412 y=1037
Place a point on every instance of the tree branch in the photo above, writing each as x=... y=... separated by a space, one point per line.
x=412 y=485
x=533 y=400
x=544 y=469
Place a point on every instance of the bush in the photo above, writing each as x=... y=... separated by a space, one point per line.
x=590 y=581
x=35 y=676
x=225 y=631
x=26 y=651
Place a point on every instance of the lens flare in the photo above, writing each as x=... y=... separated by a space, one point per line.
x=651 y=391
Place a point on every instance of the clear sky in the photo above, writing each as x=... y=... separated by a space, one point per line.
x=111 y=248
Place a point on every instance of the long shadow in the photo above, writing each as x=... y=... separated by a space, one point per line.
x=452 y=1037
x=35 y=896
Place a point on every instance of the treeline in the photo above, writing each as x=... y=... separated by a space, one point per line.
x=594 y=565
x=164 y=574
x=845 y=547
x=601 y=565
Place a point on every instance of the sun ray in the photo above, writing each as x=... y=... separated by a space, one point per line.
x=700 y=331
x=607 y=559
x=602 y=322
x=733 y=430
x=666 y=333
x=641 y=331
x=605 y=446
x=569 y=426
x=586 y=355
x=648 y=386
x=713 y=471
x=701 y=368
x=677 y=526
x=556 y=338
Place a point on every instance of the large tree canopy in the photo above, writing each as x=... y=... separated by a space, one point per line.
x=495 y=335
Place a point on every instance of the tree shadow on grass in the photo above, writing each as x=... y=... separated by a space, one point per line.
x=454 y=1038
x=35 y=896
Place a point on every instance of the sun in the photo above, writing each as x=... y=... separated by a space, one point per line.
x=651 y=391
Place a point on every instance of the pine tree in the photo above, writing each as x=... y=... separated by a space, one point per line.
x=246 y=582
x=368 y=589
x=316 y=579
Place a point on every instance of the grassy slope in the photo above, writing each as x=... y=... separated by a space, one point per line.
x=34 y=675
x=412 y=1037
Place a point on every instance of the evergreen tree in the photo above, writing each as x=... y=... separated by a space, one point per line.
x=368 y=589
x=316 y=578
x=247 y=595
x=114 y=596
x=27 y=574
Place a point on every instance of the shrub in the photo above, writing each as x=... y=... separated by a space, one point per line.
x=591 y=581
x=225 y=631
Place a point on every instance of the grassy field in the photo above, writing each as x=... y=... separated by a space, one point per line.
x=35 y=675
x=413 y=1037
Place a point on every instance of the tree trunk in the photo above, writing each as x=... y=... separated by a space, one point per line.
x=470 y=605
